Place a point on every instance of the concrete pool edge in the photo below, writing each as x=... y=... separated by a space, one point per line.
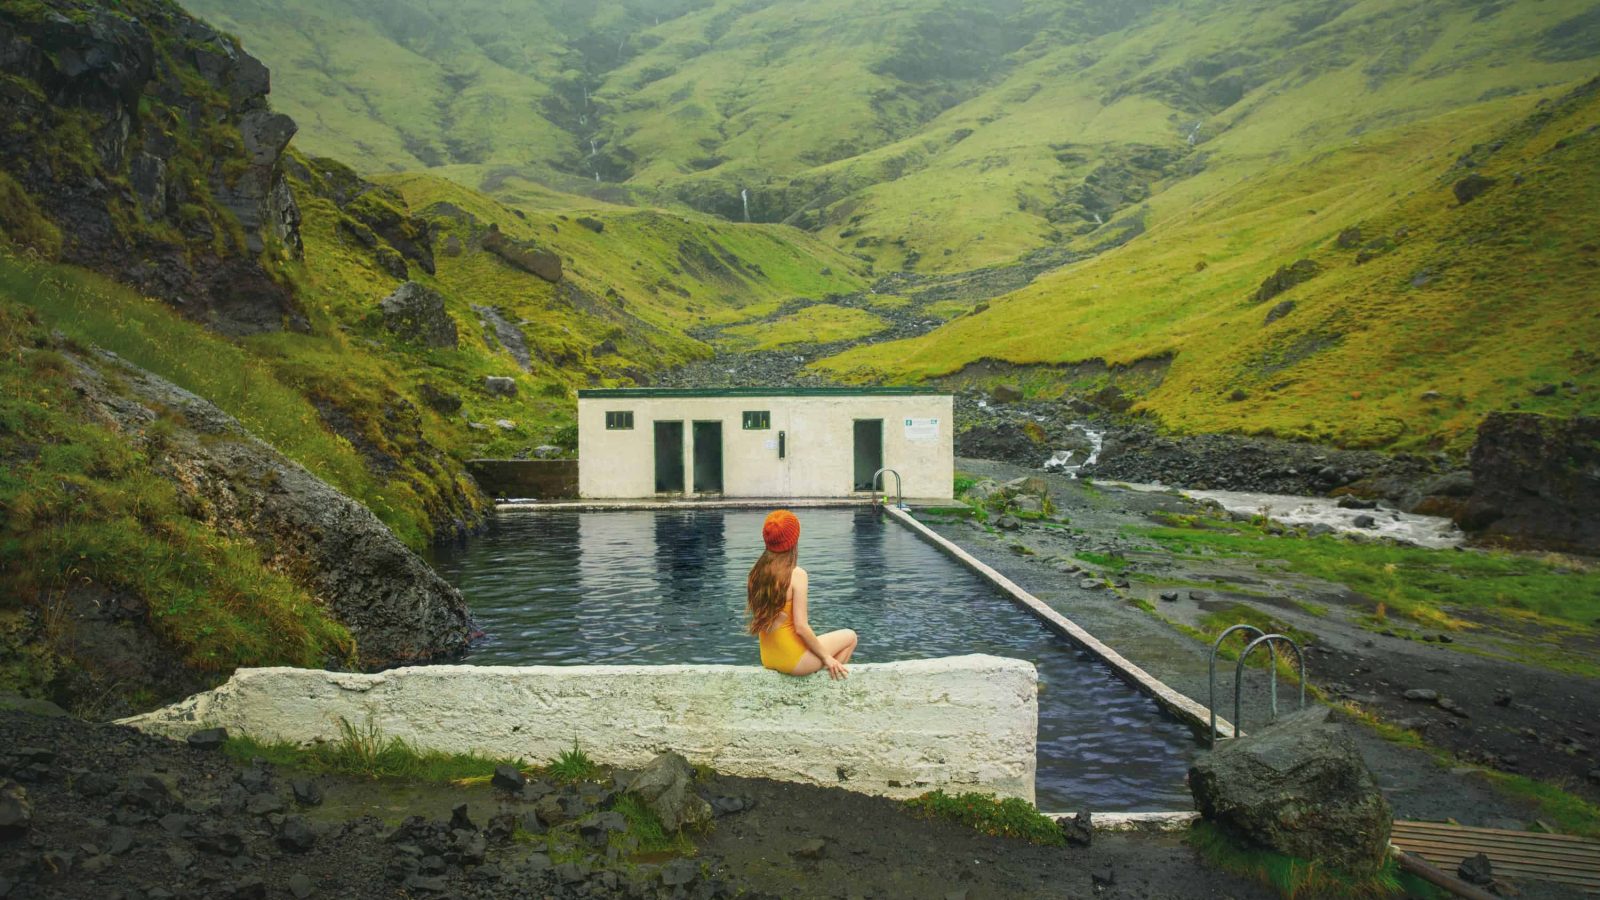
x=1191 y=711
x=522 y=506
x=899 y=729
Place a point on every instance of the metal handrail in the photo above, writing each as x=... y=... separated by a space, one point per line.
x=1211 y=679
x=1238 y=675
x=899 y=495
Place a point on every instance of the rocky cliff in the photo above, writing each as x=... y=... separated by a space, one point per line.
x=396 y=607
x=138 y=141
x=1536 y=481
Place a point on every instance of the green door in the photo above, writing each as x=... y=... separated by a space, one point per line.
x=708 y=457
x=669 y=457
x=869 y=451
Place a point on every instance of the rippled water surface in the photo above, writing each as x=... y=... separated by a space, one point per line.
x=653 y=587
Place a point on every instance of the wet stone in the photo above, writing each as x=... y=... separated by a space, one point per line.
x=1422 y=695
x=1169 y=596
x=459 y=820
x=300 y=886
x=263 y=804
x=307 y=792
x=1476 y=870
x=1079 y=830
x=598 y=828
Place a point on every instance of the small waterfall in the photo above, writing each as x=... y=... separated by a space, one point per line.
x=1194 y=134
x=592 y=148
x=745 y=196
x=1061 y=461
x=1098 y=220
x=597 y=177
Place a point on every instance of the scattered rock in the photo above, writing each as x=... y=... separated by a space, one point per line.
x=500 y=386
x=1422 y=695
x=296 y=834
x=439 y=401
x=460 y=821
x=1503 y=697
x=1279 y=311
x=593 y=224
x=1349 y=502
x=1199 y=596
x=666 y=786
x=1300 y=787
x=1431 y=396
x=209 y=739
x=1476 y=870
x=523 y=255
x=505 y=424
x=1451 y=707
x=1008 y=522
x=1169 y=596
x=679 y=873
x=1287 y=277
x=1544 y=390
x=597 y=828
x=416 y=313
x=509 y=778
x=1472 y=187
x=300 y=886
x=307 y=792
x=1079 y=830
x=1364 y=522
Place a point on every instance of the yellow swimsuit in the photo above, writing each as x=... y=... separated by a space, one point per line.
x=781 y=648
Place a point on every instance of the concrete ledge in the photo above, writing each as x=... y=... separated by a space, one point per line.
x=1197 y=715
x=964 y=723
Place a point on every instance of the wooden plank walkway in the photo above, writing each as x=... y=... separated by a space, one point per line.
x=1514 y=854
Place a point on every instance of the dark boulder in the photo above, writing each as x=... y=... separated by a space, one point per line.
x=438 y=400
x=1472 y=187
x=1287 y=277
x=509 y=778
x=498 y=332
x=1536 y=481
x=1297 y=787
x=523 y=255
x=416 y=313
x=666 y=785
x=1279 y=311
x=593 y=224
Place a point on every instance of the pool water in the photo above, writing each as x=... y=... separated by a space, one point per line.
x=656 y=587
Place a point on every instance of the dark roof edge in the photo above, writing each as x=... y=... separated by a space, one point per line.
x=647 y=393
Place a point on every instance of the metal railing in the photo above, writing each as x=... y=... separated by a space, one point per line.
x=899 y=495
x=1238 y=674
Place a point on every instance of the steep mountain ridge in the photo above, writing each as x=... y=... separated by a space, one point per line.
x=922 y=135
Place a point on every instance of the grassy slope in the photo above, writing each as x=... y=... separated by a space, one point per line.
x=1504 y=306
x=80 y=510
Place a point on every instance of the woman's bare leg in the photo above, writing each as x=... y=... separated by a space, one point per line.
x=839 y=644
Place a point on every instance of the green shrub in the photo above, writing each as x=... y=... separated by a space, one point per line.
x=1010 y=817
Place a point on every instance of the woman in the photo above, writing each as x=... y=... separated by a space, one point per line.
x=777 y=604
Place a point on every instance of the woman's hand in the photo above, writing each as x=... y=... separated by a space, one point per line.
x=836 y=669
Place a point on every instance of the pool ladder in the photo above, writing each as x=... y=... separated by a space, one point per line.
x=1261 y=638
x=899 y=495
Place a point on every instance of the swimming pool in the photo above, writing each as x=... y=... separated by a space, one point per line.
x=655 y=587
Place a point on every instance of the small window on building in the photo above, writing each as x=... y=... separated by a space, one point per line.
x=757 y=420
x=619 y=421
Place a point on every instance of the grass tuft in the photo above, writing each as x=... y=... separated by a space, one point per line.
x=1295 y=878
x=572 y=765
x=1011 y=817
x=362 y=751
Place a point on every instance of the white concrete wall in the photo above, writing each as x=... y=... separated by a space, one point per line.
x=820 y=444
x=965 y=723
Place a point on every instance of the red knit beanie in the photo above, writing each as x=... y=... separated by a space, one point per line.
x=781 y=531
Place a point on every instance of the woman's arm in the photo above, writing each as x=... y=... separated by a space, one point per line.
x=798 y=583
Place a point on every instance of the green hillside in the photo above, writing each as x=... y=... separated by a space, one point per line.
x=921 y=134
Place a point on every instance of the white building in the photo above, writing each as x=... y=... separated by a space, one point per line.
x=754 y=442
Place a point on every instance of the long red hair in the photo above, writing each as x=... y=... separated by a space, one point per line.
x=767 y=588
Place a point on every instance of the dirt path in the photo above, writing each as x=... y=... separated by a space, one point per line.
x=1498 y=713
x=120 y=814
